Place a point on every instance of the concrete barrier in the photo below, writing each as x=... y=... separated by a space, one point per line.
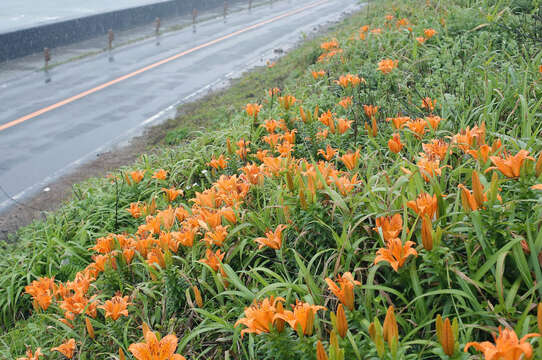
x=33 y=40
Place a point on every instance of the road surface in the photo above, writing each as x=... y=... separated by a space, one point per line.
x=49 y=128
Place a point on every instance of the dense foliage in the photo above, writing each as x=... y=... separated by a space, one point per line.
x=386 y=205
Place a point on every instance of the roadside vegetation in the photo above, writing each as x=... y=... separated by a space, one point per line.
x=381 y=200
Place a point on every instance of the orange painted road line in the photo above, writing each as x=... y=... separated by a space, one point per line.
x=152 y=66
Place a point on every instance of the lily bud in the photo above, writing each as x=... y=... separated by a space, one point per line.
x=228 y=146
x=375 y=332
x=303 y=115
x=390 y=328
x=342 y=324
x=445 y=335
x=427 y=234
x=539 y=317
x=197 y=295
x=121 y=354
x=90 y=328
x=290 y=181
x=374 y=126
x=477 y=189
x=310 y=323
x=302 y=199
x=320 y=351
x=538 y=167
x=316 y=112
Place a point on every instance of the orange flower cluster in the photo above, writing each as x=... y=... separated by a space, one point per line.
x=343 y=289
x=386 y=66
x=153 y=349
x=331 y=49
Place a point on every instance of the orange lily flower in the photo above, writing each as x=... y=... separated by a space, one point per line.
x=185 y=237
x=322 y=134
x=349 y=80
x=213 y=259
x=135 y=210
x=326 y=118
x=434 y=121
x=318 y=74
x=152 y=349
x=260 y=316
x=387 y=65
x=41 y=291
x=417 y=126
x=402 y=22
x=420 y=40
x=437 y=148
x=32 y=356
x=116 y=307
x=344 y=289
x=345 y=185
x=429 y=104
x=399 y=122
x=329 y=45
x=166 y=217
x=285 y=149
x=391 y=226
x=270 y=125
x=378 y=31
x=253 y=110
x=329 y=153
x=67 y=349
x=346 y=102
x=343 y=125
x=218 y=163
x=273 y=239
x=217 y=236
x=350 y=160
x=429 y=167
x=172 y=193
x=429 y=33
x=370 y=110
x=302 y=317
x=424 y=204
x=396 y=253
x=273 y=91
x=287 y=101
x=243 y=150
x=394 y=144
x=136 y=176
x=156 y=256
x=510 y=166
x=160 y=174
x=507 y=346
x=468 y=137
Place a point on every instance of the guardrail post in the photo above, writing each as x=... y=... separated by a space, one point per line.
x=157 y=24
x=46 y=57
x=225 y=9
x=110 y=38
x=249 y=5
x=194 y=19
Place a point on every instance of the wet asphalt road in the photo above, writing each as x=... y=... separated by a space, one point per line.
x=34 y=152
